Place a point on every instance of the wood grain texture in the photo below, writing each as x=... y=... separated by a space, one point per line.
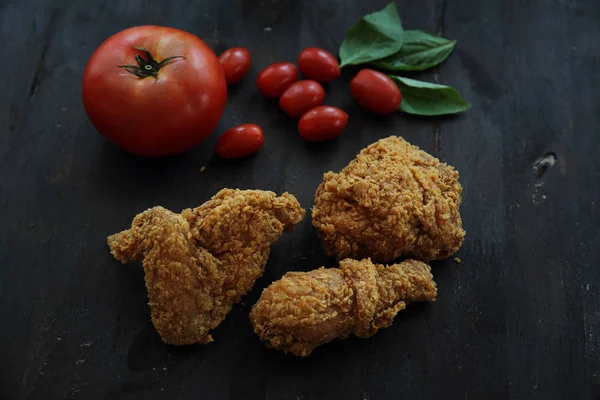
x=519 y=318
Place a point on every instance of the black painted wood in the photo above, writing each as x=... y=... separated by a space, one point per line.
x=519 y=318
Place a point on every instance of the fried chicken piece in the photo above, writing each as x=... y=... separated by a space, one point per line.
x=199 y=263
x=304 y=310
x=392 y=200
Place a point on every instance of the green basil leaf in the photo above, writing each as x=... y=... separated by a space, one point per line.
x=424 y=98
x=375 y=36
x=420 y=51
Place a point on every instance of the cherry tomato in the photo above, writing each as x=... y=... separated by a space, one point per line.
x=273 y=80
x=236 y=64
x=154 y=91
x=376 y=92
x=301 y=97
x=240 y=141
x=322 y=123
x=318 y=64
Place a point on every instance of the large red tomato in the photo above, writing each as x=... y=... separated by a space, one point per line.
x=154 y=91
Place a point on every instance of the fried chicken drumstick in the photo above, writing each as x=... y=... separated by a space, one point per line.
x=303 y=310
x=199 y=263
x=392 y=200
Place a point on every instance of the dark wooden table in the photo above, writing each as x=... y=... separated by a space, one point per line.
x=519 y=318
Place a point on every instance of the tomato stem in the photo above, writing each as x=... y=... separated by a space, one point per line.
x=146 y=67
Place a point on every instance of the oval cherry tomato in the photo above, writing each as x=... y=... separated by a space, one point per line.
x=273 y=80
x=154 y=91
x=240 y=141
x=322 y=123
x=376 y=92
x=301 y=97
x=236 y=64
x=318 y=64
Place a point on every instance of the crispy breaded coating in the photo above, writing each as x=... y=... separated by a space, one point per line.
x=392 y=200
x=199 y=263
x=304 y=310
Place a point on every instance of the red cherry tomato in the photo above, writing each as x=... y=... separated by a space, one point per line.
x=318 y=64
x=240 y=141
x=301 y=97
x=236 y=63
x=322 y=123
x=154 y=91
x=273 y=80
x=376 y=92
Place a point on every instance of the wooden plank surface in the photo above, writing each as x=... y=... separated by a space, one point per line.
x=519 y=318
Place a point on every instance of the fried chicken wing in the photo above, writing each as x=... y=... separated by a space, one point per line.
x=304 y=310
x=199 y=263
x=392 y=200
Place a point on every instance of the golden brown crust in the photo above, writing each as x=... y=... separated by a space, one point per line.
x=303 y=310
x=199 y=263
x=392 y=200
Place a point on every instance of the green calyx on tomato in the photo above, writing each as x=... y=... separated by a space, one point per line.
x=147 y=67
